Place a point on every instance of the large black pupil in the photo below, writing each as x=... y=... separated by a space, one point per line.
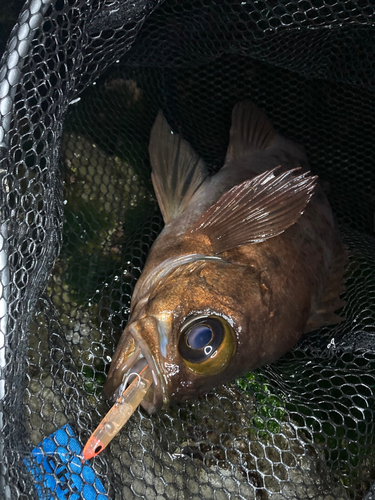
x=199 y=336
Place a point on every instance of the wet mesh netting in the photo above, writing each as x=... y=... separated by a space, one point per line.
x=80 y=86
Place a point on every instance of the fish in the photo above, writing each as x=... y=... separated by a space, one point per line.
x=249 y=259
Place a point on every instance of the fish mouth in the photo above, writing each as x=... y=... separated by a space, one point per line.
x=125 y=370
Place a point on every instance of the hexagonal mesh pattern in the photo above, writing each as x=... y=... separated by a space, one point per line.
x=80 y=86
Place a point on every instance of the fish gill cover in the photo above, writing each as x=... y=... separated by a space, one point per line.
x=80 y=86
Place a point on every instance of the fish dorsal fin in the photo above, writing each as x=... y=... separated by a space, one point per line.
x=324 y=313
x=251 y=129
x=256 y=209
x=177 y=171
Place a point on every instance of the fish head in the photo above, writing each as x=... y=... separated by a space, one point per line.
x=192 y=329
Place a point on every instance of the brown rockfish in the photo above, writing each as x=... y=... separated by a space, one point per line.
x=249 y=259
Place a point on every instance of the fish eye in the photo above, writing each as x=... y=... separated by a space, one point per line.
x=200 y=339
x=199 y=336
x=207 y=344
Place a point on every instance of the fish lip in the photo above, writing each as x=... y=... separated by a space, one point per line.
x=116 y=382
x=159 y=399
x=117 y=376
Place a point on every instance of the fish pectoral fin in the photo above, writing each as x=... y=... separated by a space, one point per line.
x=251 y=130
x=177 y=171
x=256 y=210
x=324 y=313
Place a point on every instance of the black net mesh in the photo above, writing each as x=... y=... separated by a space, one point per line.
x=80 y=86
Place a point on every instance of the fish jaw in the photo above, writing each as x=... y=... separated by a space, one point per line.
x=125 y=357
x=141 y=343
